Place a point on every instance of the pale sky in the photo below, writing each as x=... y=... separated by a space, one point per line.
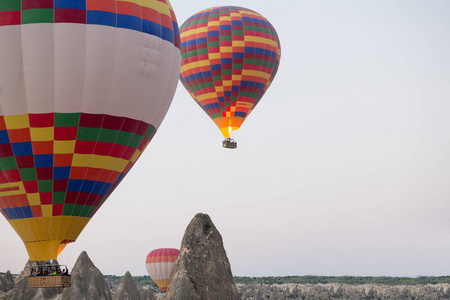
x=343 y=168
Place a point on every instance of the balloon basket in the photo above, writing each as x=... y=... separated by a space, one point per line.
x=49 y=281
x=229 y=143
x=49 y=276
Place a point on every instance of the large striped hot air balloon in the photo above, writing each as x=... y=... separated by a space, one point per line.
x=84 y=85
x=230 y=56
x=159 y=264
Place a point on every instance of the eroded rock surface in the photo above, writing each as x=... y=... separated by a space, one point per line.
x=87 y=282
x=343 y=291
x=127 y=289
x=20 y=290
x=6 y=282
x=147 y=293
x=202 y=270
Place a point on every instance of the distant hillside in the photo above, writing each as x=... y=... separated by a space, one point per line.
x=352 y=280
x=309 y=279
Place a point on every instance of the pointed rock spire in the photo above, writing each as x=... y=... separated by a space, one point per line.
x=87 y=282
x=127 y=289
x=6 y=282
x=202 y=270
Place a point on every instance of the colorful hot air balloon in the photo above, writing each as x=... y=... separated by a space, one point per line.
x=84 y=85
x=159 y=264
x=230 y=56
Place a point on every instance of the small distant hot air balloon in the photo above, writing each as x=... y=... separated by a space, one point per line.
x=159 y=265
x=230 y=56
x=84 y=85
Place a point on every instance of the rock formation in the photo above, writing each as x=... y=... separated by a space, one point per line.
x=147 y=293
x=87 y=282
x=22 y=292
x=343 y=291
x=6 y=282
x=127 y=289
x=202 y=270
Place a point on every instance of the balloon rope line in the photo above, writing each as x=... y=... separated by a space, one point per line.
x=105 y=163
x=49 y=230
x=49 y=227
x=70 y=252
x=62 y=237
x=53 y=235
x=78 y=195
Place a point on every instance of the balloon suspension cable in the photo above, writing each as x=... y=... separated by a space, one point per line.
x=69 y=255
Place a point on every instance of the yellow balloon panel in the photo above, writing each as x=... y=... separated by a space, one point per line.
x=43 y=236
x=162 y=284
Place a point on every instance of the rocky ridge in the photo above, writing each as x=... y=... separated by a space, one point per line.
x=343 y=291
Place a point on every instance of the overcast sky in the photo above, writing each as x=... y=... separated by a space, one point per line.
x=343 y=168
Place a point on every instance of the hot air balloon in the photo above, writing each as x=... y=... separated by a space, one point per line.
x=84 y=85
x=230 y=56
x=159 y=264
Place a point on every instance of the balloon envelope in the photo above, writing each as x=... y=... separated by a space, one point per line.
x=159 y=264
x=230 y=56
x=84 y=85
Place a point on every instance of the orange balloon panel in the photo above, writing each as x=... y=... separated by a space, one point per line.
x=159 y=265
